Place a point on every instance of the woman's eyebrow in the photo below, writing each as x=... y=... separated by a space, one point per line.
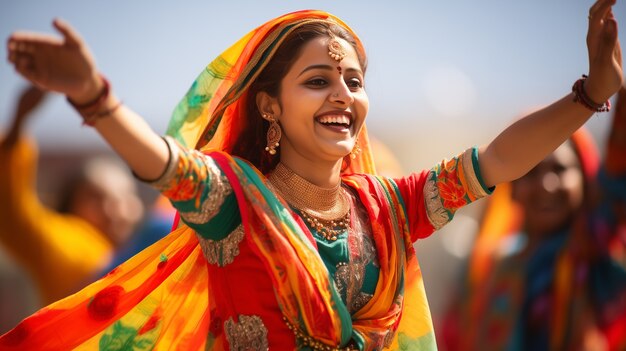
x=328 y=68
x=324 y=67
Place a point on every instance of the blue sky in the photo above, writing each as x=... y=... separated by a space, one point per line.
x=442 y=75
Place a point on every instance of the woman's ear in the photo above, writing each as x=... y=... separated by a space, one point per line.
x=267 y=104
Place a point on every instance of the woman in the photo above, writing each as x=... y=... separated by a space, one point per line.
x=287 y=242
x=548 y=269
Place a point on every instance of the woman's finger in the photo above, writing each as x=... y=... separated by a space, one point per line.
x=25 y=66
x=617 y=54
x=607 y=45
x=617 y=49
x=599 y=14
x=12 y=56
x=599 y=10
x=12 y=49
x=70 y=35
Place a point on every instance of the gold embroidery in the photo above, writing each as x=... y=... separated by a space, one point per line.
x=388 y=339
x=361 y=300
x=248 y=334
x=306 y=340
x=222 y=252
x=350 y=277
x=219 y=189
x=435 y=211
x=473 y=184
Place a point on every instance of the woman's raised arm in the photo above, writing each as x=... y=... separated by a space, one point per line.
x=526 y=142
x=66 y=65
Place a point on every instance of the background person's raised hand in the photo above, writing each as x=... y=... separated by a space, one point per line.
x=30 y=98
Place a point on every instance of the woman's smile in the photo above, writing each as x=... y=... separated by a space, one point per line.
x=336 y=121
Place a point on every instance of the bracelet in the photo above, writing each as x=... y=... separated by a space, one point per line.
x=91 y=119
x=581 y=97
x=90 y=111
x=95 y=103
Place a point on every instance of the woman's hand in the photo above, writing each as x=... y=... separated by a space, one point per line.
x=605 y=54
x=64 y=65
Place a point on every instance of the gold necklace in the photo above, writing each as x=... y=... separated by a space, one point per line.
x=327 y=210
x=330 y=230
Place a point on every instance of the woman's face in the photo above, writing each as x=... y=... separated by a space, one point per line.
x=551 y=192
x=322 y=104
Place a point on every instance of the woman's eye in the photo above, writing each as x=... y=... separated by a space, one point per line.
x=318 y=82
x=354 y=83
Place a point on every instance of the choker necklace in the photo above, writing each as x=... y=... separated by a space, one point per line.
x=327 y=210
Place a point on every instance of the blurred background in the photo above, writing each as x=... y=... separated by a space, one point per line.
x=442 y=76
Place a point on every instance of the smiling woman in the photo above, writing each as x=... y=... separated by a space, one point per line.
x=288 y=238
x=320 y=107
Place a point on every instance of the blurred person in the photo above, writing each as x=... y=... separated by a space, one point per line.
x=289 y=238
x=548 y=271
x=157 y=223
x=62 y=248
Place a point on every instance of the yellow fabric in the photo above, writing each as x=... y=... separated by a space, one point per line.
x=61 y=252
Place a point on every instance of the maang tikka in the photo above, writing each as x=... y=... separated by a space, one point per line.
x=336 y=50
x=273 y=134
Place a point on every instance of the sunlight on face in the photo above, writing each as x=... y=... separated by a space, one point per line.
x=322 y=104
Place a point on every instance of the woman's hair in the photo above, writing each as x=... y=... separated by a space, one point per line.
x=252 y=139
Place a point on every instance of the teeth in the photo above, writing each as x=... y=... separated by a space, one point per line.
x=335 y=119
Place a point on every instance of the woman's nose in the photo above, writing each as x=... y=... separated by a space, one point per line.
x=342 y=94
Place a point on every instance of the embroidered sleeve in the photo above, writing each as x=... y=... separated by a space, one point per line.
x=433 y=196
x=451 y=185
x=199 y=191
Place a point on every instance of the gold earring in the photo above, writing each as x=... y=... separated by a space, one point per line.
x=273 y=134
x=356 y=150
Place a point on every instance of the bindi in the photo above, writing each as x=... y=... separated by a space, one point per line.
x=336 y=50
x=339 y=69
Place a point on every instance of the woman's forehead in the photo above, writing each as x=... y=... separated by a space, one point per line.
x=318 y=52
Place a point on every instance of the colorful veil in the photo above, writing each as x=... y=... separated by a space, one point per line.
x=211 y=115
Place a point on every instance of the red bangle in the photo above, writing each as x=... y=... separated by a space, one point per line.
x=95 y=103
x=581 y=97
x=91 y=119
x=92 y=110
